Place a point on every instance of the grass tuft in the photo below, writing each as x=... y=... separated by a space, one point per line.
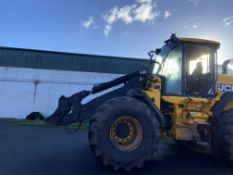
x=38 y=123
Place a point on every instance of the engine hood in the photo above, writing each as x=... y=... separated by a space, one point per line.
x=225 y=83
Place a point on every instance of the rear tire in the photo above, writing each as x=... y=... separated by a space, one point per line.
x=186 y=144
x=222 y=137
x=141 y=129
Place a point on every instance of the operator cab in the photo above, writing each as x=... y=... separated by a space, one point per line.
x=188 y=66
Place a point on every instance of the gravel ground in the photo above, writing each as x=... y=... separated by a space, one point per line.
x=27 y=150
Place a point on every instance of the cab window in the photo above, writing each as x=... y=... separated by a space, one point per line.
x=172 y=71
x=199 y=74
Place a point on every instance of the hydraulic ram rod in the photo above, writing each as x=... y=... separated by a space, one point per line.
x=115 y=82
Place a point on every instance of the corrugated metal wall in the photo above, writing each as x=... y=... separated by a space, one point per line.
x=27 y=58
x=27 y=90
x=33 y=80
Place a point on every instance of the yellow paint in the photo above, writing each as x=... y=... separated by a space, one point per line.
x=229 y=106
x=154 y=90
x=225 y=79
x=187 y=112
x=196 y=40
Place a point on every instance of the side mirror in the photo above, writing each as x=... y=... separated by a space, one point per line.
x=158 y=51
x=151 y=54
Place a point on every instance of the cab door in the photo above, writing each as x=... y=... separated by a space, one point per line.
x=200 y=74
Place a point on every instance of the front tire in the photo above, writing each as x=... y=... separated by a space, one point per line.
x=222 y=137
x=124 y=133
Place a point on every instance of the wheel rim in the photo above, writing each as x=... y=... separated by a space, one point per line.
x=126 y=133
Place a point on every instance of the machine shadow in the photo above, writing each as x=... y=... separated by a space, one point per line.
x=170 y=159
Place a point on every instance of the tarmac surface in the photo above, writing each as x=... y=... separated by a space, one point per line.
x=26 y=150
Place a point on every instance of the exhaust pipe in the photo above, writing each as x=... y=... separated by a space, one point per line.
x=225 y=64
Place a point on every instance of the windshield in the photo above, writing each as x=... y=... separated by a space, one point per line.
x=172 y=71
x=161 y=57
x=171 y=68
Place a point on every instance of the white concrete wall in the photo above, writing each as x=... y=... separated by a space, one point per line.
x=24 y=90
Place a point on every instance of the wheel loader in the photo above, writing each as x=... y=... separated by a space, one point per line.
x=179 y=94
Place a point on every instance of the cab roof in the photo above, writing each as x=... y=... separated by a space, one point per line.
x=197 y=40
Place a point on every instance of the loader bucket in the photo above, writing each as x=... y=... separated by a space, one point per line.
x=68 y=110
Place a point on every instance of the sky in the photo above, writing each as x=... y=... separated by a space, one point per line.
x=128 y=28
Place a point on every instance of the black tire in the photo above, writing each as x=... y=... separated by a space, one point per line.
x=222 y=137
x=186 y=144
x=100 y=127
x=35 y=116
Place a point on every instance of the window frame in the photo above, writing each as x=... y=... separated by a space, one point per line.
x=212 y=63
x=182 y=73
x=213 y=71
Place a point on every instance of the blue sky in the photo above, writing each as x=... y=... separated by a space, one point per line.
x=113 y=27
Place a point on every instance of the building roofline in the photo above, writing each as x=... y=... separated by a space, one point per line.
x=72 y=53
x=42 y=59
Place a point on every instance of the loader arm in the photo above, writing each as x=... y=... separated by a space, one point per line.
x=71 y=110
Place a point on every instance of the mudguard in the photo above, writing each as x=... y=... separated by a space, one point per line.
x=225 y=100
x=142 y=96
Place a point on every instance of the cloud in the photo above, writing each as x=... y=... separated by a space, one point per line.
x=123 y=14
x=144 y=1
x=141 y=11
x=194 y=26
x=88 y=23
x=167 y=14
x=195 y=2
x=228 y=21
x=107 y=29
x=145 y=12
x=192 y=23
